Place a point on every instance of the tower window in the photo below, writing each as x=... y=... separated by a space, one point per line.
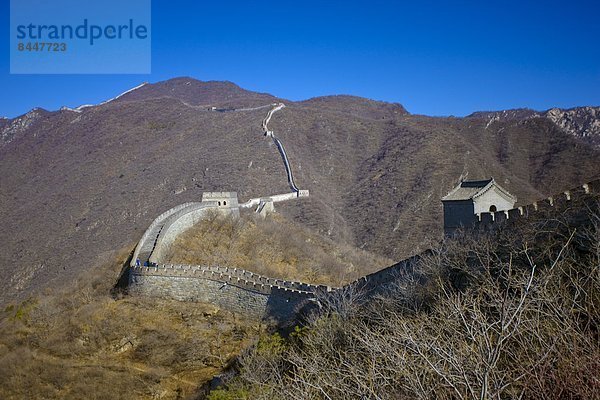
x=224 y=203
x=493 y=208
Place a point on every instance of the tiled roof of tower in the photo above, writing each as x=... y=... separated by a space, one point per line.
x=470 y=189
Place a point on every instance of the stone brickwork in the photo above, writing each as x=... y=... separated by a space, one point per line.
x=233 y=289
x=184 y=288
x=146 y=244
x=181 y=221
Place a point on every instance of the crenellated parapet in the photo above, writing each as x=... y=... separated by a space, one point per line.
x=231 y=276
x=380 y=281
x=553 y=203
x=233 y=289
x=577 y=198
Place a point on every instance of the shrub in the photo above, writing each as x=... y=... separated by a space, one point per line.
x=511 y=313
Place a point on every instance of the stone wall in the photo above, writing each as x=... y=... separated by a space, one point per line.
x=263 y=297
x=178 y=223
x=275 y=198
x=148 y=240
x=184 y=288
x=381 y=281
x=233 y=289
x=578 y=198
x=462 y=214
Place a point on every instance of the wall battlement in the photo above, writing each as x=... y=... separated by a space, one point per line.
x=233 y=276
x=556 y=202
x=378 y=282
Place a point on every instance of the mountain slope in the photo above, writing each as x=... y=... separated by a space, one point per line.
x=75 y=186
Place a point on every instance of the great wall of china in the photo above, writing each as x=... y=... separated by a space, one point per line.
x=231 y=288
x=258 y=296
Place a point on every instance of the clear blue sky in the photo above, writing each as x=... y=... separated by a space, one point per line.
x=435 y=58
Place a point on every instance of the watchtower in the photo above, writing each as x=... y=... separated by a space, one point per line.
x=224 y=201
x=470 y=198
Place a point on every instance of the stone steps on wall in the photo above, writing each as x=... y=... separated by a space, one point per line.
x=149 y=238
x=148 y=247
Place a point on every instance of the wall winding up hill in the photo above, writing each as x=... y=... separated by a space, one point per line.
x=258 y=296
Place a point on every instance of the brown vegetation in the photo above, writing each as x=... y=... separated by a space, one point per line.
x=510 y=314
x=81 y=343
x=274 y=247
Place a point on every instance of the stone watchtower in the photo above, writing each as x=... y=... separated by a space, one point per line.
x=224 y=201
x=470 y=198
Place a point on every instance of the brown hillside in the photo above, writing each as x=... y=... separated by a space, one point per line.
x=75 y=186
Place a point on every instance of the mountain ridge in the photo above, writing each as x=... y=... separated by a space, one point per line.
x=206 y=92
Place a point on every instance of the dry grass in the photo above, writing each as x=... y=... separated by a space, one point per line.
x=274 y=247
x=83 y=343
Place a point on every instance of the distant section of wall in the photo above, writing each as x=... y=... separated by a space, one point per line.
x=275 y=198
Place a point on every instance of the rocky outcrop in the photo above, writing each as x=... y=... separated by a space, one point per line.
x=10 y=129
x=582 y=123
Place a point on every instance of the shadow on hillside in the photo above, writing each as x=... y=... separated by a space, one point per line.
x=120 y=287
